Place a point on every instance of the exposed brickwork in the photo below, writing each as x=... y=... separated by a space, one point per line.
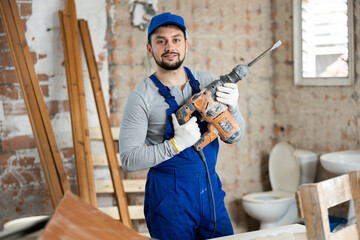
x=5 y=59
x=23 y=189
x=9 y=93
x=25 y=9
x=17 y=143
x=8 y=76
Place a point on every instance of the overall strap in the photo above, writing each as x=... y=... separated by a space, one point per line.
x=195 y=85
x=165 y=92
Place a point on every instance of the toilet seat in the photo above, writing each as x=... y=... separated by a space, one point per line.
x=284 y=169
x=284 y=173
x=269 y=197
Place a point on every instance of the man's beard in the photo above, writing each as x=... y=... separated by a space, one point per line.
x=167 y=66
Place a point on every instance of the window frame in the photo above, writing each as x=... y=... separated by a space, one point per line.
x=299 y=80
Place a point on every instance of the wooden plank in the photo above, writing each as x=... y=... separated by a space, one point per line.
x=337 y=190
x=317 y=198
x=49 y=155
x=105 y=125
x=136 y=212
x=315 y=215
x=299 y=205
x=348 y=233
x=75 y=83
x=355 y=190
x=95 y=133
x=100 y=159
x=130 y=186
x=76 y=219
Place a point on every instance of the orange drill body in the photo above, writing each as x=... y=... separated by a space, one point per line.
x=220 y=121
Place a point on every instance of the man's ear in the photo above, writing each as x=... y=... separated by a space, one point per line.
x=149 y=50
x=186 y=45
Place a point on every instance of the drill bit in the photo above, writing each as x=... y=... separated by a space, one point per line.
x=276 y=45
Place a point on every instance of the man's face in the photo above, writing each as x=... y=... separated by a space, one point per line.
x=168 y=47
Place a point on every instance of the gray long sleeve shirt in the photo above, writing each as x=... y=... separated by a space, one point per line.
x=141 y=143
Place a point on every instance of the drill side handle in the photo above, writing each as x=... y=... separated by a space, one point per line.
x=184 y=112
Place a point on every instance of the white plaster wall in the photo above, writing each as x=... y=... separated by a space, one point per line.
x=94 y=11
x=44 y=37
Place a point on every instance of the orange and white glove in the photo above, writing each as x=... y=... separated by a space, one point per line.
x=185 y=135
x=228 y=94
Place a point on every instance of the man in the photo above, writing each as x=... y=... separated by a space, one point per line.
x=178 y=202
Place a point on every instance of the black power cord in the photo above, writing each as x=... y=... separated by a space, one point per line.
x=202 y=156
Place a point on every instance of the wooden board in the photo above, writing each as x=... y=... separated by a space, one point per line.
x=75 y=84
x=136 y=212
x=130 y=186
x=49 y=155
x=315 y=199
x=355 y=191
x=76 y=219
x=95 y=133
x=100 y=159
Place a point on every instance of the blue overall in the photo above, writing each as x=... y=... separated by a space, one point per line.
x=178 y=202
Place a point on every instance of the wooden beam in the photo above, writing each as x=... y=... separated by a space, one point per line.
x=79 y=121
x=105 y=125
x=49 y=155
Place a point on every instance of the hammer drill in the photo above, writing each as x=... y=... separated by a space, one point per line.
x=220 y=121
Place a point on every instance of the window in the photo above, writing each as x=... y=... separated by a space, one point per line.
x=323 y=42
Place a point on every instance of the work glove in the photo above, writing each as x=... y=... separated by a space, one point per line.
x=185 y=135
x=228 y=94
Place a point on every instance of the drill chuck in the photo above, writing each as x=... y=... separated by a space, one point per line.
x=238 y=73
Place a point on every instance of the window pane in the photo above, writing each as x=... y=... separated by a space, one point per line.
x=324 y=38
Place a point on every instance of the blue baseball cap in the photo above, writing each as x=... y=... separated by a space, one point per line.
x=166 y=18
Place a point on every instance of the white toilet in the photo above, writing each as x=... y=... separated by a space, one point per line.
x=288 y=168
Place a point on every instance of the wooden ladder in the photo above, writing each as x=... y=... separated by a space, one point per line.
x=131 y=186
x=110 y=158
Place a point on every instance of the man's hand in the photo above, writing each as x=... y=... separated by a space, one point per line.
x=185 y=135
x=228 y=94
